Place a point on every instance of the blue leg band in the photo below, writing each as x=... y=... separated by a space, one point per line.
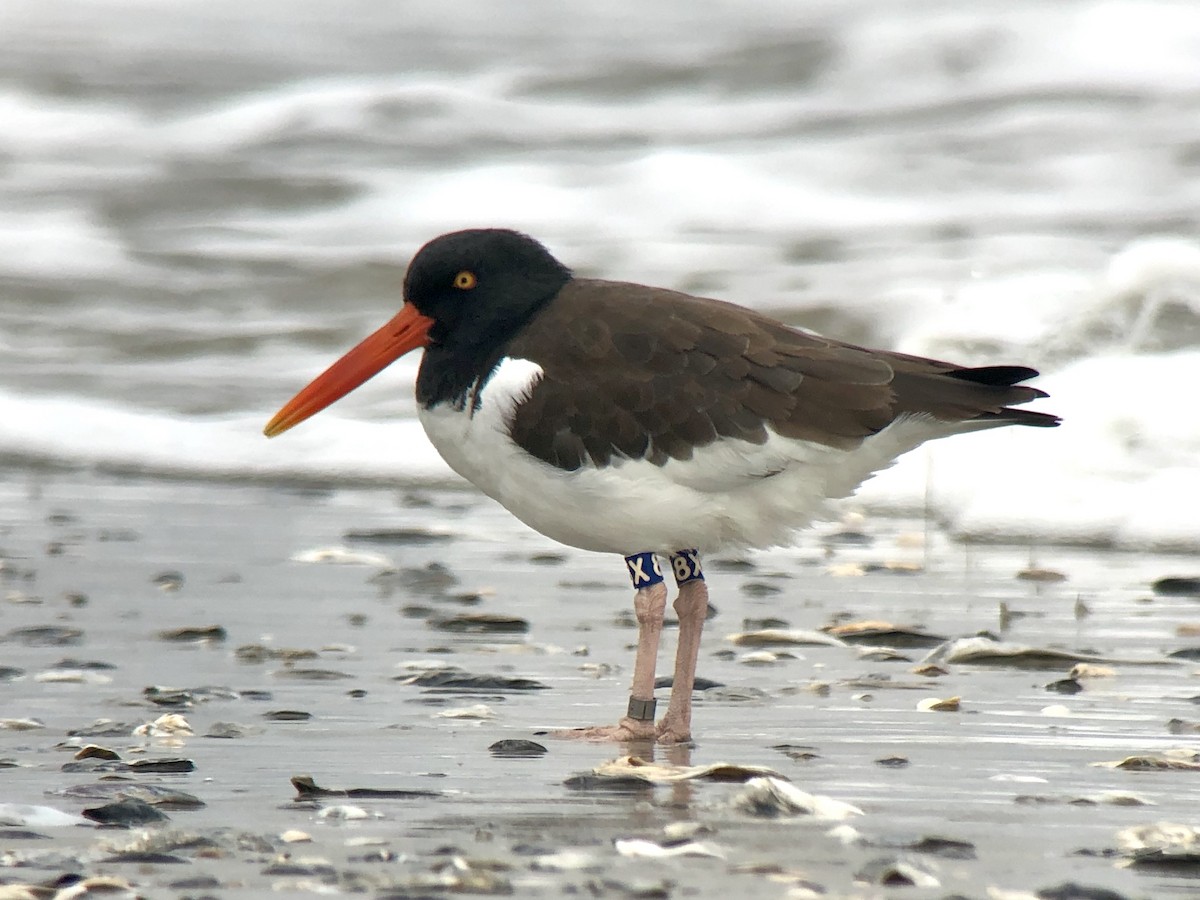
x=644 y=570
x=686 y=565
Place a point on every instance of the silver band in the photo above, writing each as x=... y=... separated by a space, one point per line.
x=641 y=710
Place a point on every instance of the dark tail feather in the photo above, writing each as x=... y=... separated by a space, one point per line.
x=1010 y=377
x=1000 y=376
x=1010 y=416
x=978 y=397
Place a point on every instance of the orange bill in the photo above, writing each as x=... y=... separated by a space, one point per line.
x=407 y=331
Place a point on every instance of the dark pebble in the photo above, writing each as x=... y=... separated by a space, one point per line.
x=176 y=698
x=517 y=748
x=256 y=653
x=323 y=871
x=125 y=813
x=1064 y=686
x=764 y=624
x=152 y=794
x=465 y=598
x=1192 y=653
x=1069 y=890
x=899 y=638
x=744 y=694
x=104 y=728
x=194 y=633
x=88 y=665
x=10 y=673
x=378 y=855
x=92 y=751
x=702 y=684
x=947 y=848
x=196 y=882
x=621 y=784
x=141 y=766
x=481 y=623
x=168 y=581
x=21 y=834
x=174 y=765
x=94 y=765
x=1178 y=586
x=412 y=537
x=455 y=680
x=46 y=636
x=760 y=589
x=798 y=752
x=287 y=715
x=307 y=789
x=893 y=762
x=169 y=696
x=144 y=856
x=1166 y=861
x=311 y=674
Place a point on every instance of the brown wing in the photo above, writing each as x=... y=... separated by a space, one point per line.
x=645 y=373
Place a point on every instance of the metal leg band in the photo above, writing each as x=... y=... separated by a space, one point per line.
x=686 y=566
x=644 y=570
x=641 y=710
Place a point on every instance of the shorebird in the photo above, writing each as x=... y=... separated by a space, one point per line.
x=628 y=419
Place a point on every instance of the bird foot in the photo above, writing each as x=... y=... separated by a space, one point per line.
x=628 y=729
x=669 y=732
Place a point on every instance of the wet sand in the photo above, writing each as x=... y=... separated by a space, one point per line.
x=111 y=569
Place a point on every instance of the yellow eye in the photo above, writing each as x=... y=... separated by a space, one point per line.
x=465 y=280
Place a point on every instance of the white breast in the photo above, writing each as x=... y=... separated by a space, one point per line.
x=730 y=493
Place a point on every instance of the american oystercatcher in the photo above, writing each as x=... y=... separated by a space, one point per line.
x=646 y=422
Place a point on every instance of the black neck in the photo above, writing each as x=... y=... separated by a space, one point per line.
x=455 y=371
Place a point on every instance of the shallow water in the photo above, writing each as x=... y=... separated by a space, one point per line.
x=108 y=539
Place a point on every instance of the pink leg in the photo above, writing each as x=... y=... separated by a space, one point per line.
x=649 y=603
x=692 y=607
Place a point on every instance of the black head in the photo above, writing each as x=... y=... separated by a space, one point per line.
x=467 y=294
x=480 y=285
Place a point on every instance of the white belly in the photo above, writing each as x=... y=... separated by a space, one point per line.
x=719 y=498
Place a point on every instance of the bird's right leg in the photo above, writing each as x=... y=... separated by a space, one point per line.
x=649 y=605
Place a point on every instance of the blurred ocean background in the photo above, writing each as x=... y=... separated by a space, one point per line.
x=202 y=204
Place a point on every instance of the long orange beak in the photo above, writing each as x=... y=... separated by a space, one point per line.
x=407 y=331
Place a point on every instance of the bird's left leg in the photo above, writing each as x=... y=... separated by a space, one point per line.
x=692 y=608
x=649 y=604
